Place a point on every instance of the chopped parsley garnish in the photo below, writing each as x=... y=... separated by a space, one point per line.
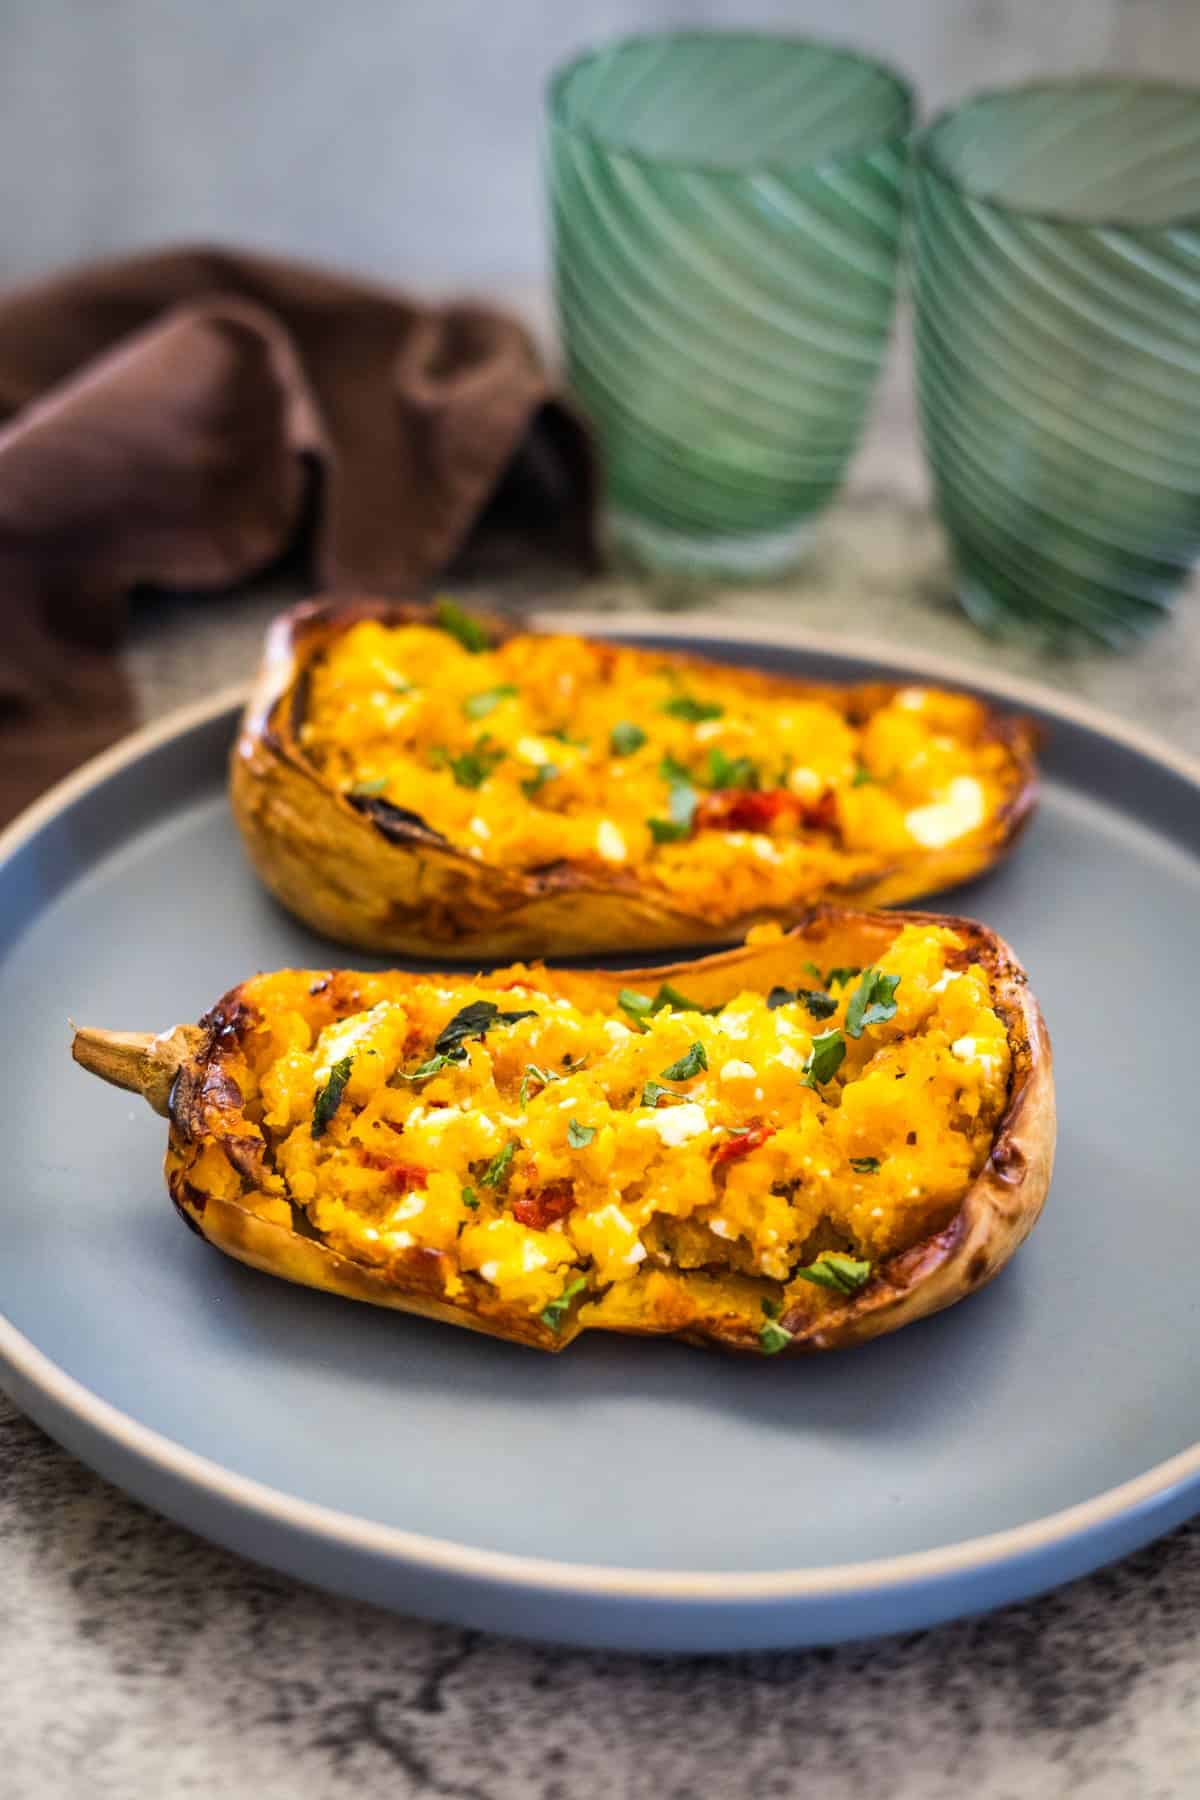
x=844 y=1274
x=865 y=1165
x=652 y=1093
x=330 y=1096
x=820 y=1005
x=625 y=738
x=375 y=786
x=771 y=1335
x=564 y=737
x=861 y=777
x=682 y=810
x=685 y=706
x=839 y=977
x=399 y=685
x=579 y=1135
x=473 y=767
x=690 y=1063
x=730 y=771
x=554 y=1314
x=828 y=1051
x=811 y=968
x=872 y=1002
x=673 y=772
x=478 y=706
x=470 y=1198
x=541 y=775
x=470 y=631
x=635 y=1006
x=499 y=1169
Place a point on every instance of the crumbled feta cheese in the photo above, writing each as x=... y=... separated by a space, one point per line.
x=532 y=750
x=676 y=1124
x=720 y=1228
x=398 y=1240
x=959 y=810
x=944 y=981
x=912 y=699
x=790 y=1058
x=708 y=729
x=614 y=1029
x=964 y=1049
x=635 y=1254
x=805 y=782
x=480 y=827
x=609 y=842
x=347 y=1038
x=409 y=1208
x=763 y=848
x=737 y=1071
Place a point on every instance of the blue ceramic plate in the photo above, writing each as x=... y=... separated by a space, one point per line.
x=639 y=1495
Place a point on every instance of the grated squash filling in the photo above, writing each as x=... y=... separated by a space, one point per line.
x=709 y=784
x=550 y=1153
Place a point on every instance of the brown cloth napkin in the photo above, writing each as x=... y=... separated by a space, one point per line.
x=179 y=420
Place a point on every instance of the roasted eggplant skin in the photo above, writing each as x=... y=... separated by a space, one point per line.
x=376 y=877
x=184 y=1073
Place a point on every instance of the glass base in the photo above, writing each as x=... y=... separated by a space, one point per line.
x=754 y=557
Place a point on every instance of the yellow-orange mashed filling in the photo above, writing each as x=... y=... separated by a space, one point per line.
x=715 y=786
x=540 y=1159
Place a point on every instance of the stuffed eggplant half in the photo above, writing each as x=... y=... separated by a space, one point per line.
x=793 y=1146
x=427 y=782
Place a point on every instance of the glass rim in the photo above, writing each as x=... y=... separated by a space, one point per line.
x=928 y=159
x=899 y=132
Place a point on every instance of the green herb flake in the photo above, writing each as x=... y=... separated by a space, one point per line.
x=554 y=1314
x=625 y=738
x=579 y=1136
x=652 y=1093
x=330 y=1096
x=685 y=706
x=399 y=685
x=772 y=1336
x=478 y=706
x=544 y=772
x=820 y=1005
x=828 y=1052
x=668 y=996
x=533 y=1073
x=843 y=1274
x=865 y=1165
x=724 y=771
x=839 y=977
x=862 y=777
x=673 y=772
x=471 y=632
x=636 y=1007
x=682 y=809
x=375 y=786
x=432 y=1066
x=500 y=1168
x=470 y=1199
x=811 y=968
x=473 y=1021
x=872 y=1002
x=690 y=1063
x=473 y=767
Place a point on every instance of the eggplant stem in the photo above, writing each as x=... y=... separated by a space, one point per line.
x=137 y=1060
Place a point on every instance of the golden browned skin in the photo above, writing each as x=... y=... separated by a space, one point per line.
x=378 y=879
x=723 y=1309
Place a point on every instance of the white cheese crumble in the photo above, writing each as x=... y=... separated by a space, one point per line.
x=480 y=827
x=737 y=1071
x=912 y=699
x=720 y=1228
x=805 y=782
x=347 y=1038
x=609 y=842
x=964 y=1049
x=944 y=981
x=614 y=1029
x=959 y=810
x=763 y=848
x=676 y=1124
x=532 y=750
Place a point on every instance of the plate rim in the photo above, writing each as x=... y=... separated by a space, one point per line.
x=874 y=1577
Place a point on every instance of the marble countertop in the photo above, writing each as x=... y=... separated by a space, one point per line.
x=137 y=1660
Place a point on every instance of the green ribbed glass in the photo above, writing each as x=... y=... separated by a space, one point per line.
x=725 y=214
x=1056 y=244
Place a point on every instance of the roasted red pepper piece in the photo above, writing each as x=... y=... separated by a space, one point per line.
x=743 y=1142
x=543 y=1208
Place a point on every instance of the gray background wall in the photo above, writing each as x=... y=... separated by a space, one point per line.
x=401 y=136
